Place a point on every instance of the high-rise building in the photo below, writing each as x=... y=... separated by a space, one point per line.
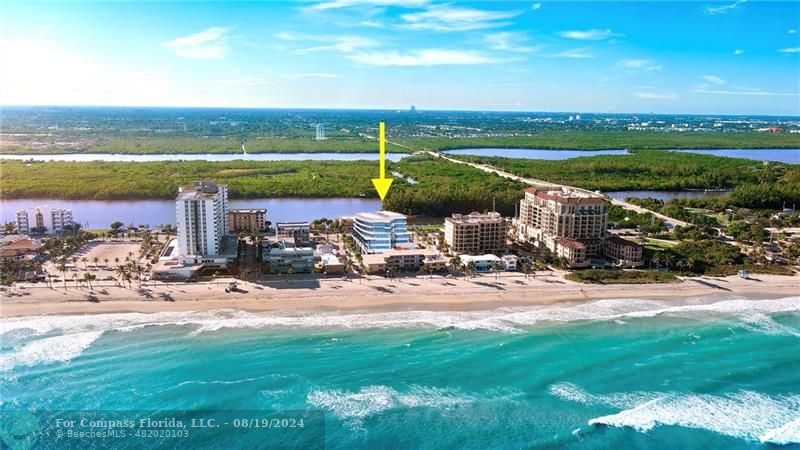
x=571 y=223
x=475 y=233
x=380 y=231
x=201 y=212
x=320 y=132
x=43 y=220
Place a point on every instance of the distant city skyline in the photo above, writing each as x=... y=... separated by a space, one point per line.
x=734 y=58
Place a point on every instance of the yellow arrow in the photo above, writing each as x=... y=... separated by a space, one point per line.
x=382 y=184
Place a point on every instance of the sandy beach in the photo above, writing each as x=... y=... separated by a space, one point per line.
x=377 y=294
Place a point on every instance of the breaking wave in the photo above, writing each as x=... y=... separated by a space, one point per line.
x=744 y=414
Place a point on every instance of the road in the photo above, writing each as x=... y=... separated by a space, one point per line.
x=535 y=182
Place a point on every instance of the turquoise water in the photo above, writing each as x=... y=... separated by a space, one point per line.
x=707 y=373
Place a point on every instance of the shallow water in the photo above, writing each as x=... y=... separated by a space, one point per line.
x=705 y=373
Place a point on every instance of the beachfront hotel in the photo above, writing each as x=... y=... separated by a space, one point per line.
x=380 y=232
x=201 y=212
x=570 y=223
x=43 y=220
x=475 y=233
x=247 y=220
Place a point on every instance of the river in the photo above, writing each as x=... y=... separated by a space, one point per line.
x=100 y=214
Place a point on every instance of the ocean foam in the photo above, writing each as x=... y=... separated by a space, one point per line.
x=49 y=350
x=505 y=320
x=354 y=407
x=745 y=414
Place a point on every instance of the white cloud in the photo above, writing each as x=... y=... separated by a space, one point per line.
x=372 y=24
x=738 y=52
x=595 y=34
x=342 y=44
x=714 y=10
x=747 y=92
x=575 y=53
x=510 y=42
x=536 y=6
x=261 y=81
x=648 y=95
x=451 y=18
x=713 y=79
x=792 y=31
x=427 y=57
x=207 y=44
x=77 y=80
x=790 y=50
x=639 y=64
x=339 y=4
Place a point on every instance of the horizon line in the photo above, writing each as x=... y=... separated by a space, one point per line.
x=407 y=109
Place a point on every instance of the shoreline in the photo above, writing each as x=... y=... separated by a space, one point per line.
x=376 y=295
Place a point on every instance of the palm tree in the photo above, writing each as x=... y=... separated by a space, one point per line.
x=470 y=269
x=105 y=261
x=455 y=263
x=121 y=272
x=62 y=267
x=95 y=260
x=526 y=269
x=84 y=260
x=116 y=260
x=88 y=278
x=497 y=267
x=75 y=261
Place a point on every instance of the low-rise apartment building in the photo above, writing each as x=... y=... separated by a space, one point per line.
x=247 y=220
x=404 y=260
x=285 y=257
x=623 y=253
x=299 y=232
x=475 y=233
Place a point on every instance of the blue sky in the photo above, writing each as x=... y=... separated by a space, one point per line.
x=729 y=57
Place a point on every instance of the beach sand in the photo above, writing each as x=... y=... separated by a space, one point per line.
x=377 y=294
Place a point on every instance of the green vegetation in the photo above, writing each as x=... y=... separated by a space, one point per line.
x=606 y=276
x=212 y=145
x=603 y=140
x=642 y=170
x=444 y=188
x=148 y=180
x=769 y=269
x=188 y=142
x=619 y=217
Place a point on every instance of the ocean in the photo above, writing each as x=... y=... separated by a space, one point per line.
x=713 y=372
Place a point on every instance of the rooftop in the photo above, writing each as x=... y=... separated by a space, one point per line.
x=247 y=211
x=199 y=190
x=616 y=240
x=569 y=243
x=474 y=217
x=566 y=195
x=379 y=216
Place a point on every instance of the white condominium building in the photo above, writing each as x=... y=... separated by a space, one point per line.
x=380 y=231
x=43 y=220
x=475 y=233
x=201 y=212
